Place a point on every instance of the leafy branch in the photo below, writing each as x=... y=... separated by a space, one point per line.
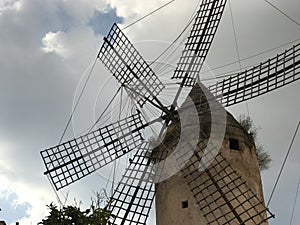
x=264 y=158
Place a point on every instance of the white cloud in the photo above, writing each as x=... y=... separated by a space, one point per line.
x=17 y=200
x=12 y=207
x=136 y=8
x=5 y=168
x=78 y=46
x=18 y=203
x=52 y=43
x=9 y=5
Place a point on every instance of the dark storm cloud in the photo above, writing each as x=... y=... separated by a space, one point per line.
x=36 y=88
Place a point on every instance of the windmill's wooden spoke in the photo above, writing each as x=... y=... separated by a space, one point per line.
x=74 y=159
x=221 y=195
x=263 y=78
x=128 y=67
x=199 y=41
x=133 y=197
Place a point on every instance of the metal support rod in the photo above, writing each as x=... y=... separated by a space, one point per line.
x=283 y=164
x=161 y=107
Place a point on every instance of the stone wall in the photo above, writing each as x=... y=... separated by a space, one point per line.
x=176 y=203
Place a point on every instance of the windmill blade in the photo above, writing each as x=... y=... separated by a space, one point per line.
x=274 y=73
x=221 y=195
x=131 y=202
x=128 y=67
x=198 y=44
x=74 y=159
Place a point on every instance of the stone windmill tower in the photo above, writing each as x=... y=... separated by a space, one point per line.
x=229 y=191
x=205 y=170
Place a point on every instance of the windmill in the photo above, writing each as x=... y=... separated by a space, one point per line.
x=211 y=184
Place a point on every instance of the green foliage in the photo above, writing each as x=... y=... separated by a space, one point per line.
x=248 y=124
x=73 y=215
x=264 y=159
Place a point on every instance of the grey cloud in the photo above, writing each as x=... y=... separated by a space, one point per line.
x=36 y=88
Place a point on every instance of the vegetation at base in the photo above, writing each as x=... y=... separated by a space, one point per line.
x=264 y=158
x=73 y=215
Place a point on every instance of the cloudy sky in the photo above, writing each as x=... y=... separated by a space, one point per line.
x=46 y=49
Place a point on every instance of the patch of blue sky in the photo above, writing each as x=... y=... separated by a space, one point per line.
x=101 y=22
x=66 y=21
x=11 y=210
